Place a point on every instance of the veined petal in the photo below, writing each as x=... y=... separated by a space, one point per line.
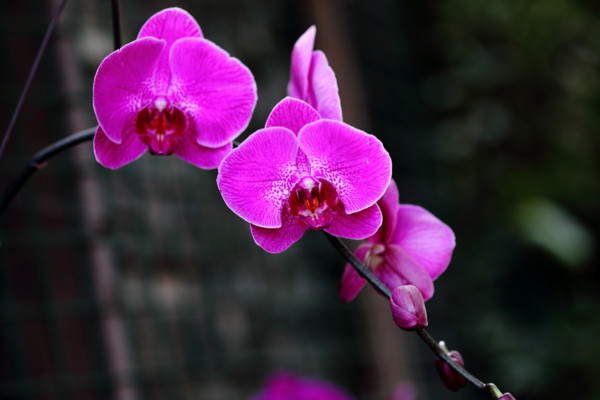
x=352 y=282
x=389 y=209
x=427 y=239
x=256 y=178
x=399 y=268
x=353 y=161
x=171 y=24
x=200 y=156
x=276 y=240
x=124 y=84
x=323 y=88
x=217 y=91
x=293 y=114
x=115 y=155
x=356 y=226
x=300 y=64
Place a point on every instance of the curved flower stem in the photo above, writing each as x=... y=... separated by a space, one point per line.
x=32 y=72
x=487 y=388
x=38 y=162
x=116 y=23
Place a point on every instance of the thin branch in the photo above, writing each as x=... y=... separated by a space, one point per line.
x=38 y=161
x=116 y=24
x=32 y=73
x=424 y=335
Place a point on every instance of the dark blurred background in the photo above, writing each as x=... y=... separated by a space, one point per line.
x=141 y=284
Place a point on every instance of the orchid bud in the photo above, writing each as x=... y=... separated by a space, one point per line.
x=408 y=308
x=507 y=396
x=451 y=378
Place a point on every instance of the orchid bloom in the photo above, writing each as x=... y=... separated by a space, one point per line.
x=287 y=386
x=302 y=173
x=312 y=79
x=411 y=247
x=172 y=92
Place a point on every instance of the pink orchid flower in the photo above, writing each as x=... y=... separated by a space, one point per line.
x=287 y=386
x=302 y=173
x=312 y=79
x=411 y=247
x=172 y=92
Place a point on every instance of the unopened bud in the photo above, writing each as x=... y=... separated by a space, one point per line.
x=507 y=396
x=408 y=308
x=451 y=378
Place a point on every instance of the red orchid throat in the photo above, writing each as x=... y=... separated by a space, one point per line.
x=313 y=203
x=161 y=126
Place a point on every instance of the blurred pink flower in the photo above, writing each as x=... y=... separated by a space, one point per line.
x=172 y=92
x=312 y=79
x=411 y=247
x=287 y=386
x=305 y=173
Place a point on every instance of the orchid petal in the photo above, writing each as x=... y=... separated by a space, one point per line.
x=353 y=161
x=425 y=238
x=323 y=88
x=115 y=155
x=389 y=209
x=200 y=156
x=356 y=226
x=293 y=114
x=277 y=240
x=352 y=282
x=399 y=268
x=171 y=24
x=124 y=85
x=217 y=91
x=300 y=65
x=256 y=178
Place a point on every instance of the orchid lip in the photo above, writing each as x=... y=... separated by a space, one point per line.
x=374 y=256
x=313 y=203
x=161 y=126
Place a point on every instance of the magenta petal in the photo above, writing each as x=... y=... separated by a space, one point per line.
x=300 y=65
x=277 y=240
x=124 y=85
x=389 y=210
x=293 y=114
x=200 y=156
x=114 y=155
x=352 y=282
x=399 y=268
x=171 y=24
x=217 y=91
x=323 y=88
x=356 y=226
x=256 y=178
x=427 y=239
x=353 y=161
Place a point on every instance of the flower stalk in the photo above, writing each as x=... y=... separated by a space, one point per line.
x=32 y=72
x=440 y=352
